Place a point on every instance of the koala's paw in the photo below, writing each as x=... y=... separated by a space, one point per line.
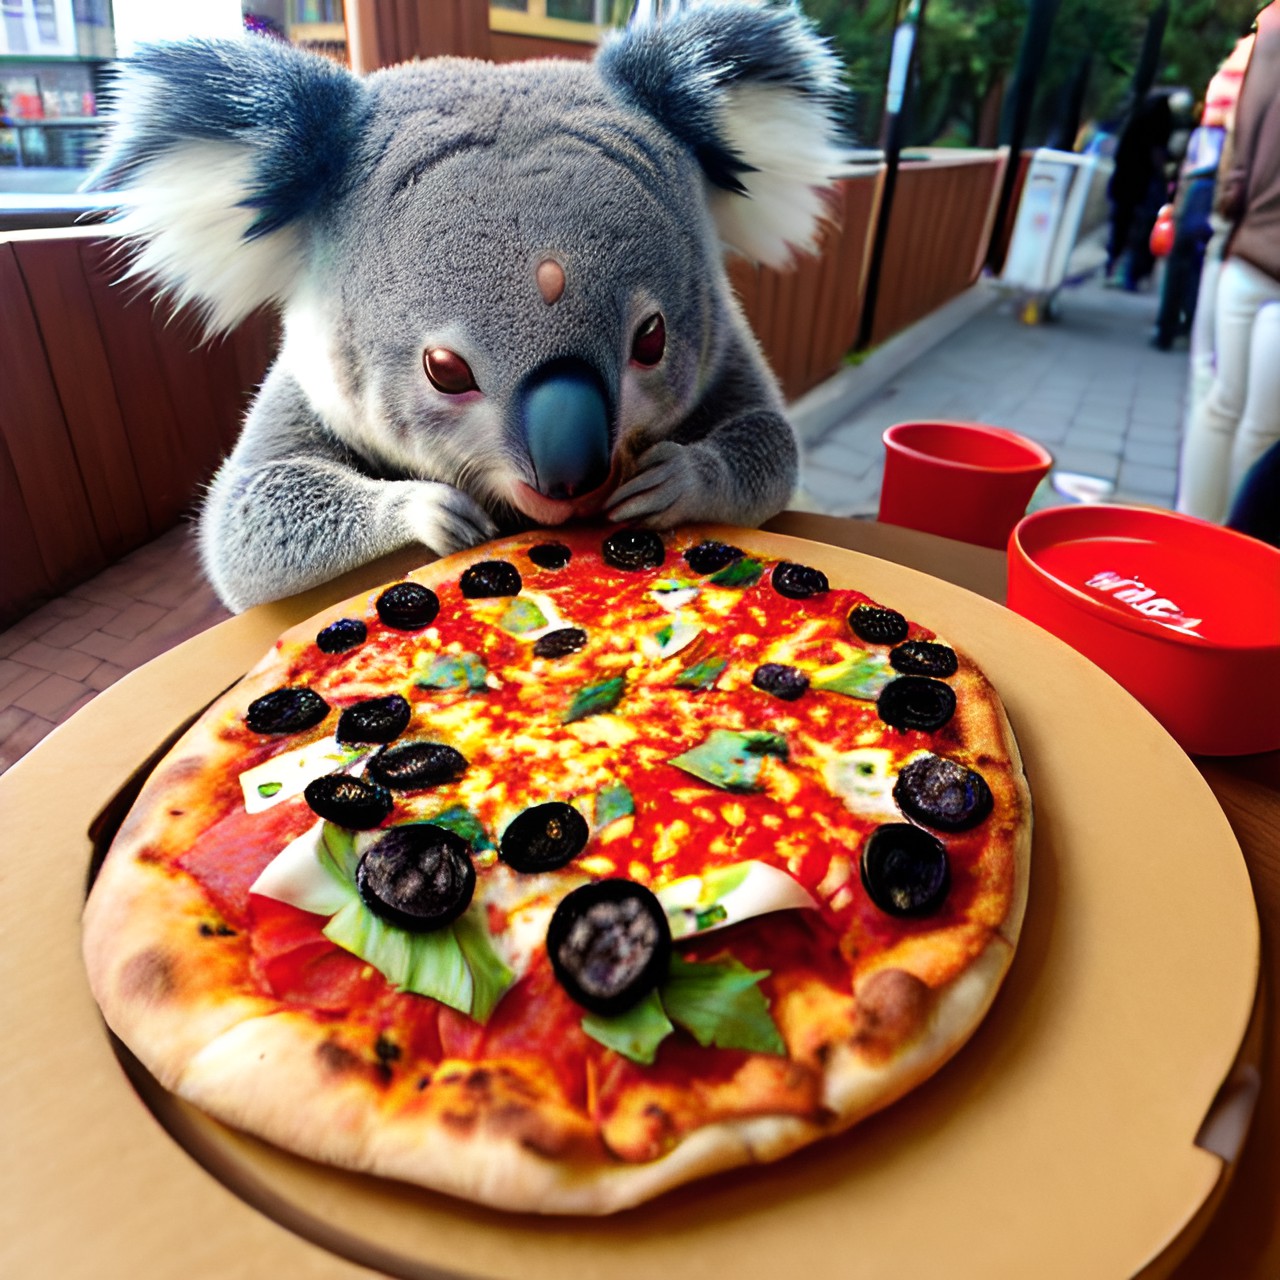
x=445 y=519
x=666 y=490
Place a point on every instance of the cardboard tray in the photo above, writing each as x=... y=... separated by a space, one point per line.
x=1061 y=1141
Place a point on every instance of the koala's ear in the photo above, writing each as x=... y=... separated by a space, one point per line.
x=751 y=92
x=221 y=152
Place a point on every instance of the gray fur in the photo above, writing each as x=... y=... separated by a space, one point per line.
x=467 y=175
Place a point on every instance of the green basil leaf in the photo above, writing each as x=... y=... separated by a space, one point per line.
x=730 y=758
x=721 y=1004
x=863 y=676
x=461 y=821
x=595 y=699
x=450 y=671
x=702 y=675
x=635 y=1034
x=522 y=616
x=490 y=976
x=267 y=789
x=740 y=573
x=613 y=802
x=337 y=852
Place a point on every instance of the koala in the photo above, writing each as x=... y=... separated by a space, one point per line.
x=501 y=287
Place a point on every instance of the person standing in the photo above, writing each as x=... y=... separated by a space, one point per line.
x=1231 y=429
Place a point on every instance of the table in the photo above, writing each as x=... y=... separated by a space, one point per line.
x=45 y=1204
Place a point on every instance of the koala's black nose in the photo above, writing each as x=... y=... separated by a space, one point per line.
x=564 y=416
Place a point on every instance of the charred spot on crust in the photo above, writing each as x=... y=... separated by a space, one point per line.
x=148 y=977
x=336 y=1059
x=892 y=1007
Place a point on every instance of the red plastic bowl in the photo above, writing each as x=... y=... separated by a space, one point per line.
x=961 y=480
x=1184 y=614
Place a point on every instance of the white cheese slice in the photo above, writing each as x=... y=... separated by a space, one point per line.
x=728 y=895
x=297 y=876
x=285 y=776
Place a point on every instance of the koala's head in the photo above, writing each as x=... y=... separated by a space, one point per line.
x=504 y=277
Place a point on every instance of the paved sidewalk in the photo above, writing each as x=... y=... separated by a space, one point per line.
x=1086 y=385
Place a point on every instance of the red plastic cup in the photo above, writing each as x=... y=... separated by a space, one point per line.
x=959 y=480
x=1184 y=614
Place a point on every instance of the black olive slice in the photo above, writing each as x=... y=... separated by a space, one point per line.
x=342 y=635
x=711 y=557
x=419 y=877
x=923 y=658
x=350 y=802
x=490 y=578
x=782 y=681
x=560 y=643
x=916 y=702
x=609 y=944
x=943 y=794
x=414 y=766
x=408 y=606
x=544 y=838
x=905 y=870
x=878 y=626
x=374 y=719
x=550 y=555
x=798 y=581
x=286 y=710
x=633 y=549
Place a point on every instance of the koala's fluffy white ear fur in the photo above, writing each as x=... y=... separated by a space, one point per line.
x=220 y=152
x=751 y=91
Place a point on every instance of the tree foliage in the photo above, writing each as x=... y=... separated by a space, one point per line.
x=968 y=50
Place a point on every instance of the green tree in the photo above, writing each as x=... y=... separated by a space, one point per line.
x=968 y=50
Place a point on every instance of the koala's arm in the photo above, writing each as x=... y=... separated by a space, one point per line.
x=732 y=460
x=293 y=507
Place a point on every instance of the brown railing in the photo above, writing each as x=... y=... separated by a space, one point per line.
x=112 y=420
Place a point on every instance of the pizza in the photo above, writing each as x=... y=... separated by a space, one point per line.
x=570 y=869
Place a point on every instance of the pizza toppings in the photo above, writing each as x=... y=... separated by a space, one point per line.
x=490 y=578
x=551 y=554
x=943 y=794
x=560 y=643
x=876 y=625
x=633 y=550
x=709 y=557
x=727 y=895
x=924 y=658
x=374 y=720
x=916 y=702
x=415 y=766
x=286 y=710
x=408 y=606
x=609 y=945
x=905 y=870
x=798 y=581
x=784 y=682
x=545 y=837
x=418 y=876
x=350 y=802
x=338 y=637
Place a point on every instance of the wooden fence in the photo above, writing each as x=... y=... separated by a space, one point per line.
x=112 y=420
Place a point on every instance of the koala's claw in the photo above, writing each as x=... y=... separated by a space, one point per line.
x=445 y=519
x=664 y=491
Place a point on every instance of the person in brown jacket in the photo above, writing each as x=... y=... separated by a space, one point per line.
x=1239 y=419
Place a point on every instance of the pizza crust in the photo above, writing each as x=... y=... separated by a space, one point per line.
x=497 y=1132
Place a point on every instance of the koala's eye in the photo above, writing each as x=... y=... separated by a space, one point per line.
x=448 y=371
x=650 y=341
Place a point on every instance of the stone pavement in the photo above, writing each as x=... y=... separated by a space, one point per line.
x=1087 y=386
